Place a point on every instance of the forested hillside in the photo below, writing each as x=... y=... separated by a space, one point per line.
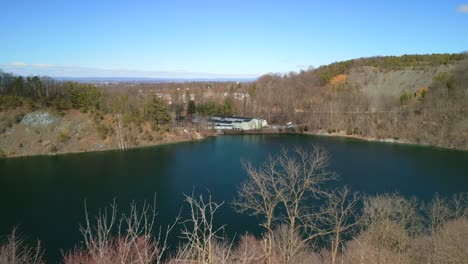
x=418 y=98
x=39 y=115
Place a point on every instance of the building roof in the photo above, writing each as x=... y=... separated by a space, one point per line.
x=231 y=118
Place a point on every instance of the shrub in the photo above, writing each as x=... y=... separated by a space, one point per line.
x=64 y=137
x=405 y=98
x=53 y=149
x=61 y=104
x=102 y=131
x=30 y=104
x=9 y=102
x=18 y=118
x=249 y=250
x=148 y=136
x=16 y=251
x=452 y=242
x=159 y=137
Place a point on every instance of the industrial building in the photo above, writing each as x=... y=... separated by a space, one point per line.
x=237 y=123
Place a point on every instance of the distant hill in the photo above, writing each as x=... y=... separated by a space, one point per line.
x=390 y=63
x=149 y=80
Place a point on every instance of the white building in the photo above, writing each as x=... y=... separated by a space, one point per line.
x=237 y=123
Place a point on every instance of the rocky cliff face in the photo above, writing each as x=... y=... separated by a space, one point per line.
x=379 y=84
x=44 y=133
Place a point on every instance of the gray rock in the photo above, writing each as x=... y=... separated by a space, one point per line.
x=39 y=119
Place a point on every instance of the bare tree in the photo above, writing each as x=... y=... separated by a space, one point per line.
x=204 y=241
x=452 y=241
x=440 y=212
x=98 y=238
x=128 y=238
x=460 y=204
x=16 y=251
x=340 y=215
x=287 y=249
x=248 y=251
x=301 y=176
x=390 y=222
x=289 y=182
x=259 y=196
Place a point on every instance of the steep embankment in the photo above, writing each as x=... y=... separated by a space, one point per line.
x=43 y=133
x=378 y=84
x=406 y=105
x=422 y=99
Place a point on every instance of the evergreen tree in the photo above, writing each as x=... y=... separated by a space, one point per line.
x=192 y=108
x=228 y=107
x=210 y=109
x=156 y=111
x=18 y=86
x=84 y=96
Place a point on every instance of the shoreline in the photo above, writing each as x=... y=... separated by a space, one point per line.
x=365 y=138
x=383 y=140
x=177 y=141
x=203 y=136
x=342 y=134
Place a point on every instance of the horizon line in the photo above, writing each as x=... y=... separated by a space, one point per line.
x=58 y=71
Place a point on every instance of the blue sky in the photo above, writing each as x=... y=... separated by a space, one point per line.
x=236 y=38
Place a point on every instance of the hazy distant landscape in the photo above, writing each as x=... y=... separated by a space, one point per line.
x=135 y=80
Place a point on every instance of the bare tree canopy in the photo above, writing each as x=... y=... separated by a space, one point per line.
x=283 y=191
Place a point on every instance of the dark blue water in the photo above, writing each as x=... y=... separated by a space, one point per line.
x=44 y=195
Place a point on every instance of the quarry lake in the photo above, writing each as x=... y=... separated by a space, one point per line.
x=44 y=195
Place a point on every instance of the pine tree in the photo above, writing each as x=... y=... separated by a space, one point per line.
x=156 y=111
x=192 y=108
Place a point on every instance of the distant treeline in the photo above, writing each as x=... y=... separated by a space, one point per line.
x=38 y=92
x=137 y=107
x=388 y=62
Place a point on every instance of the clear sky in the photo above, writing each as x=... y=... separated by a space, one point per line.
x=175 y=38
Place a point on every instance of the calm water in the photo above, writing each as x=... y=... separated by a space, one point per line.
x=44 y=196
